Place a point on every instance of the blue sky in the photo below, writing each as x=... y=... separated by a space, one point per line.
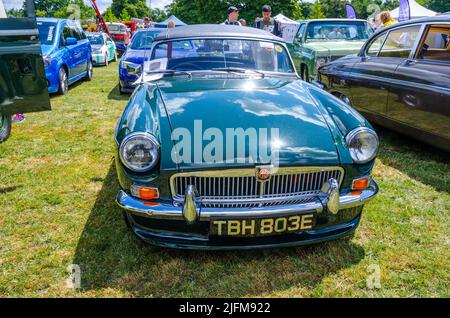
x=103 y=4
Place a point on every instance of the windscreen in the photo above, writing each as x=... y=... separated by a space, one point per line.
x=95 y=39
x=47 y=32
x=338 y=30
x=143 y=40
x=207 y=54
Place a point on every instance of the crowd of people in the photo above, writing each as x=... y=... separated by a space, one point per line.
x=266 y=22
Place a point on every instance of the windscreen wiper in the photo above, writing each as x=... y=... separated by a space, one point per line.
x=173 y=72
x=238 y=70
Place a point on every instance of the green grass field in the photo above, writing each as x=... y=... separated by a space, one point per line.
x=57 y=190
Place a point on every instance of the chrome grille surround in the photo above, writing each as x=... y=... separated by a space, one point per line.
x=240 y=188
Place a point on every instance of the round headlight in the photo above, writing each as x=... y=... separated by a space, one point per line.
x=363 y=144
x=139 y=152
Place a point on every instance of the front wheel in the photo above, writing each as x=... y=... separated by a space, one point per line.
x=63 y=82
x=5 y=127
x=89 y=71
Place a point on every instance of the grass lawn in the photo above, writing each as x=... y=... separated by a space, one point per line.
x=57 y=190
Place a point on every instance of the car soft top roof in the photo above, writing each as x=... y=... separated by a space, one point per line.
x=215 y=31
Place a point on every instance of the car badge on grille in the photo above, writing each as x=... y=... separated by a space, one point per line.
x=263 y=173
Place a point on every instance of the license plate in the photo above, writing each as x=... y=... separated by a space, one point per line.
x=249 y=227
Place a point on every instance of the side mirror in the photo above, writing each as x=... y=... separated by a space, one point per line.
x=298 y=40
x=71 y=41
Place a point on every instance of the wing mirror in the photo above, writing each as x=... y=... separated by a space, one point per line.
x=71 y=41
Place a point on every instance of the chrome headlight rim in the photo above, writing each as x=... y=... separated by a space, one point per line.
x=353 y=134
x=144 y=135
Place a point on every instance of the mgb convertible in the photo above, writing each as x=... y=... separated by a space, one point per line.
x=223 y=146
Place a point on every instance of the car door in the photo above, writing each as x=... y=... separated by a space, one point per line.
x=80 y=51
x=69 y=54
x=421 y=90
x=110 y=45
x=372 y=76
x=23 y=85
x=296 y=47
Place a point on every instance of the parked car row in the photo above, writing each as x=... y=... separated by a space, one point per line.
x=400 y=79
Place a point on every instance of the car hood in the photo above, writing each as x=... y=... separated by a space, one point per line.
x=135 y=56
x=281 y=108
x=46 y=49
x=96 y=47
x=327 y=48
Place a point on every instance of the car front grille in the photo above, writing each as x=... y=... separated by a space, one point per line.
x=240 y=188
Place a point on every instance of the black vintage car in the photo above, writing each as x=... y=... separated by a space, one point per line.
x=23 y=85
x=400 y=79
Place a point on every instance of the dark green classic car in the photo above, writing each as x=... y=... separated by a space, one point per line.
x=23 y=85
x=223 y=146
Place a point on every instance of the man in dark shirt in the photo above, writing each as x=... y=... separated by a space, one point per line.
x=233 y=15
x=267 y=23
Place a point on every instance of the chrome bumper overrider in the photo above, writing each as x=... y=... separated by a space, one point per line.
x=166 y=210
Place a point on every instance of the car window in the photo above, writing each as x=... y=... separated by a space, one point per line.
x=47 y=32
x=400 y=42
x=67 y=32
x=301 y=31
x=375 y=46
x=436 y=45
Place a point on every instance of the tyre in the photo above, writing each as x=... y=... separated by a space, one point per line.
x=5 y=127
x=106 y=59
x=121 y=91
x=90 y=71
x=115 y=56
x=63 y=82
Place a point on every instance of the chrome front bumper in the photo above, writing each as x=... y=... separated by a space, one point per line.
x=167 y=210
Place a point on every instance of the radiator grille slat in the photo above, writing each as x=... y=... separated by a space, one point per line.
x=226 y=191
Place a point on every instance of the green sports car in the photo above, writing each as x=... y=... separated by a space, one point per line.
x=223 y=146
x=324 y=40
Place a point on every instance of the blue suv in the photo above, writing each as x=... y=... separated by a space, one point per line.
x=66 y=51
x=132 y=61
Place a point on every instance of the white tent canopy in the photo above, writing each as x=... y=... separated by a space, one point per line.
x=417 y=11
x=288 y=27
x=2 y=10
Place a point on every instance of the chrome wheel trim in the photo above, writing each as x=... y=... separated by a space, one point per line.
x=4 y=127
x=64 y=82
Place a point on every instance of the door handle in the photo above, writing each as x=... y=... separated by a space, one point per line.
x=410 y=62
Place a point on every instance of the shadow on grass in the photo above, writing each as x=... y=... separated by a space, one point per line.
x=111 y=257
x=115 y=94
x=419 y=161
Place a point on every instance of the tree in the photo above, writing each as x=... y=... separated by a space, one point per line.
x=48 y=7
x=215 y=11
x=438 y=5
x=18 y=13
x=124 y=16
x=109 y=16
x=316 y=11
x=297 y=13
x=333 y=8
x=135 y=8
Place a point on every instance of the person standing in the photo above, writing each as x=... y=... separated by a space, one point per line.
x=386 y=19
x=267 y=23
x=233 y=15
